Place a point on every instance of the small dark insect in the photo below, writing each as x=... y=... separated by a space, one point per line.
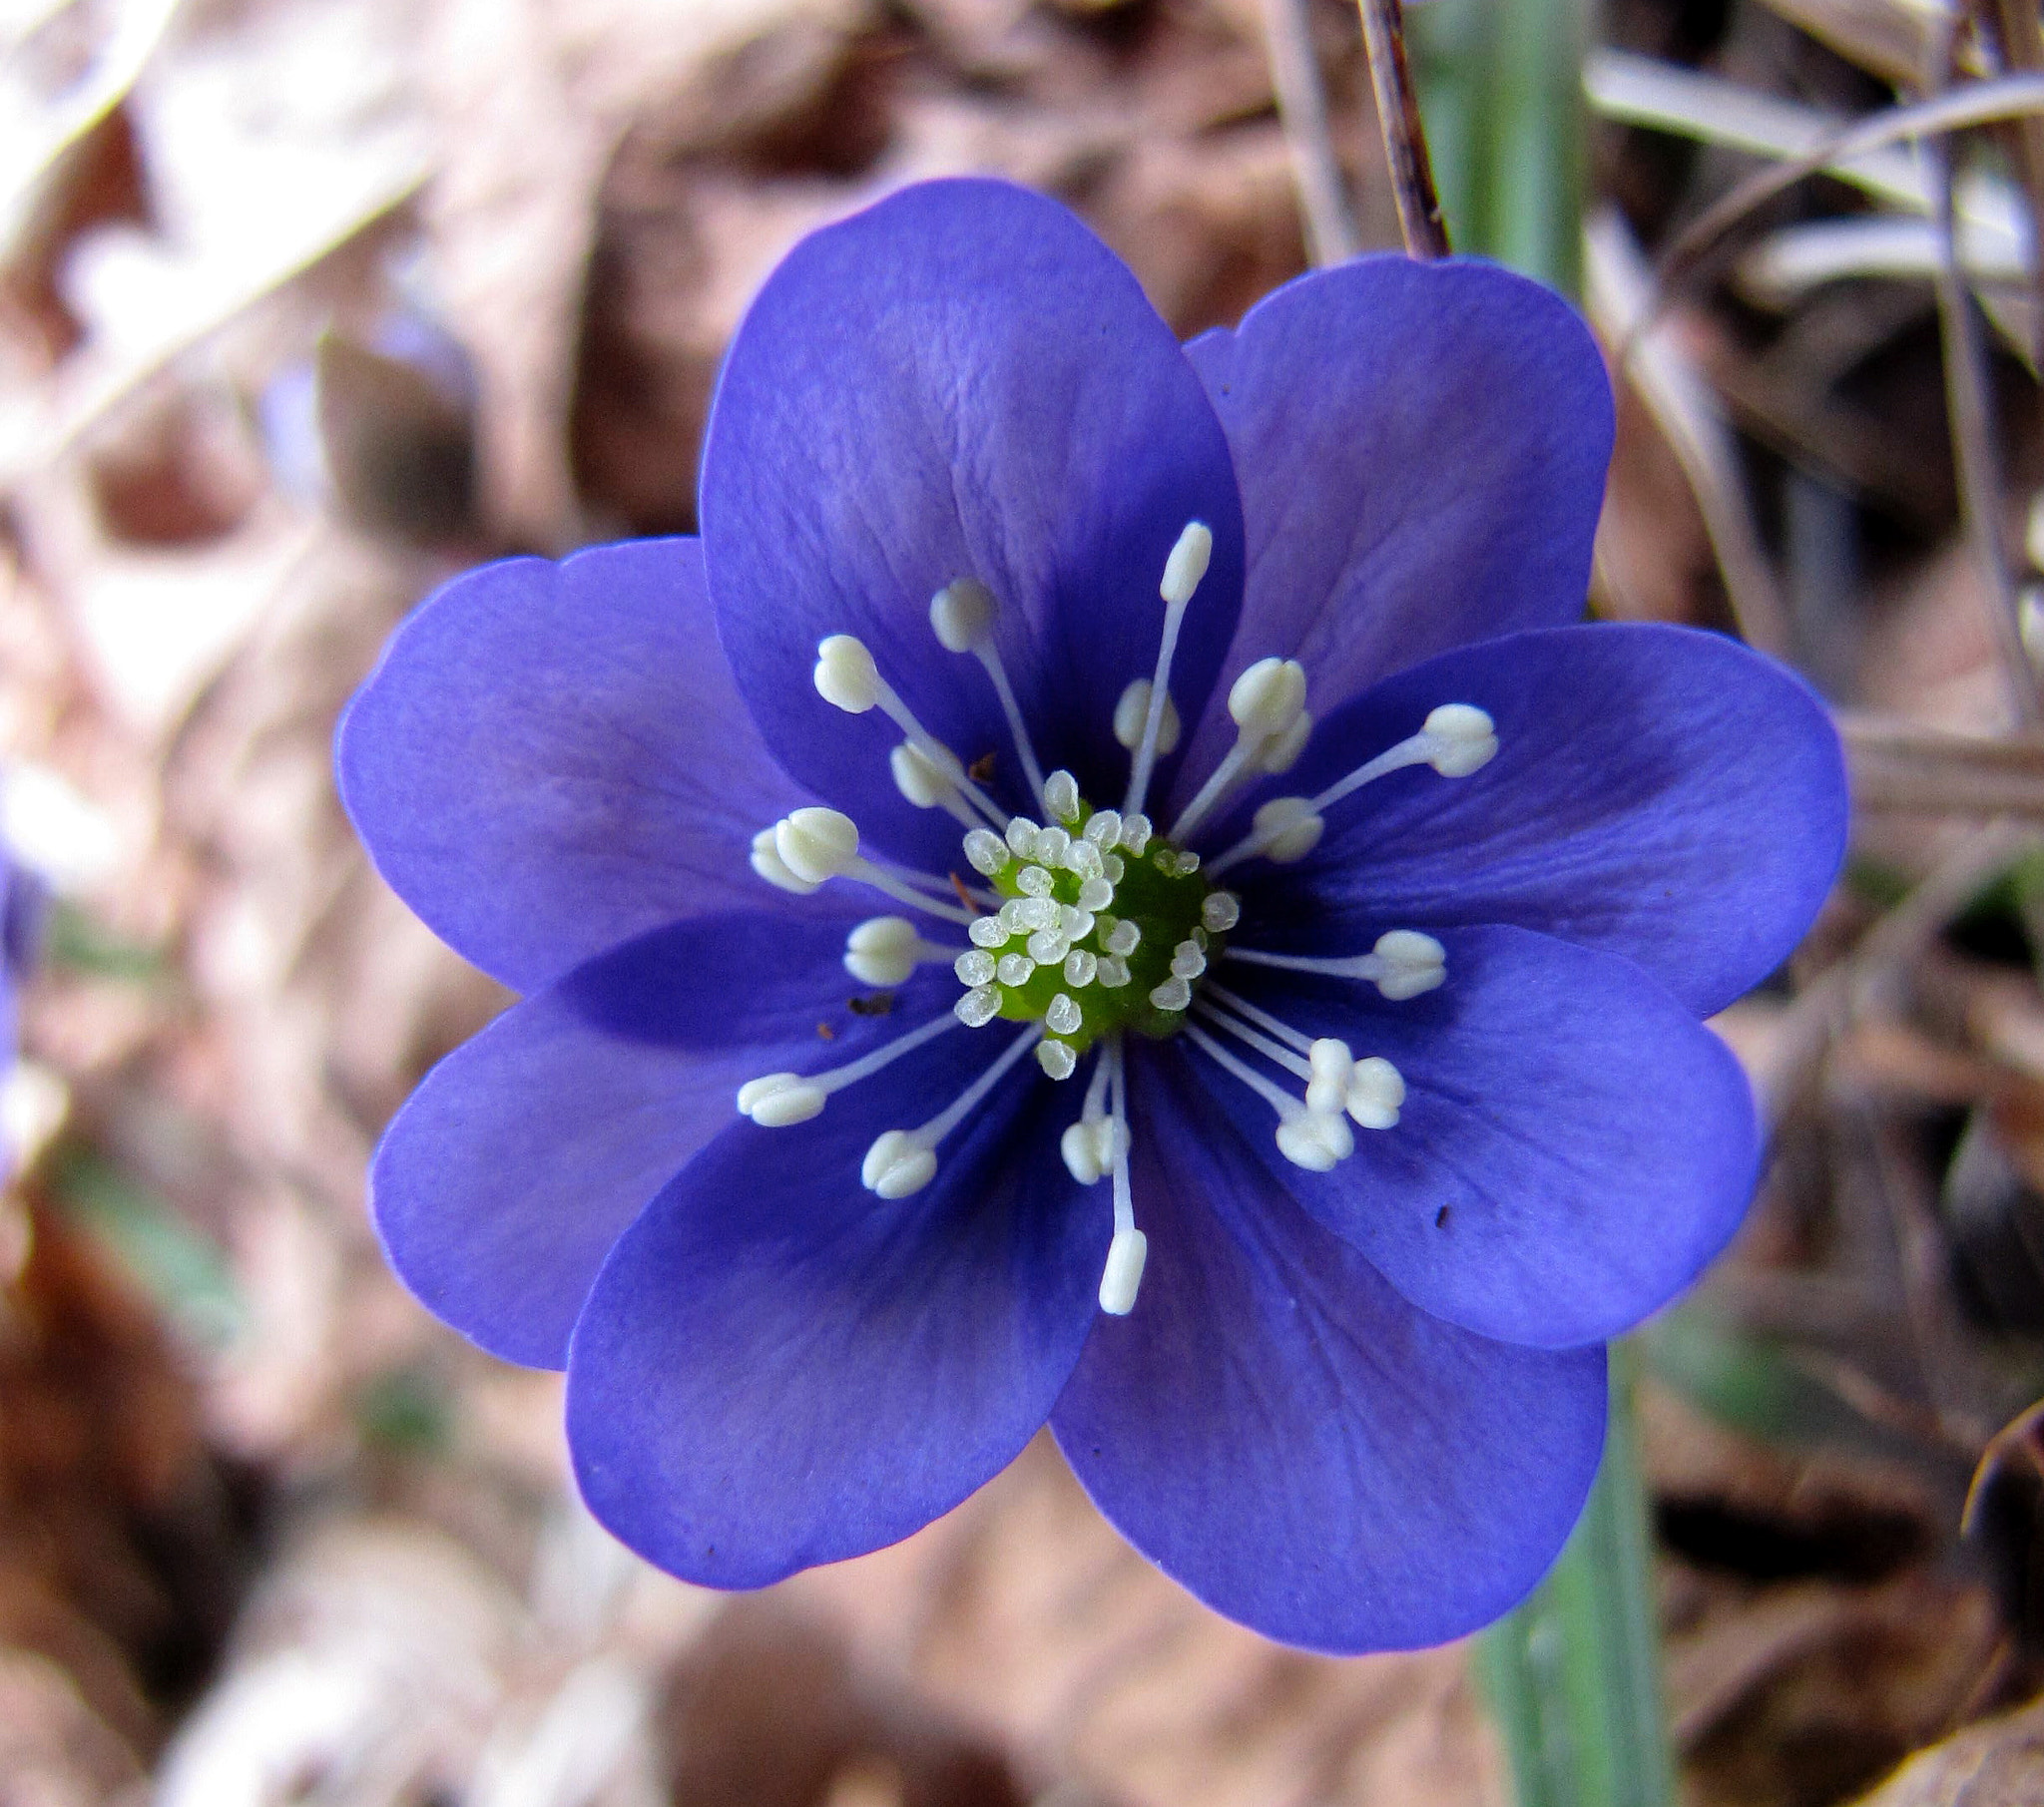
x=873 y=1004
x=1441 y=1218
x=981 y=769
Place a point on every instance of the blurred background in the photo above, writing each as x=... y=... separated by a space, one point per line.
x=307 y=303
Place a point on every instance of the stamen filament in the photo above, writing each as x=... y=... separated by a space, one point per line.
x=902 y=1161
x=1261 y=1018
x=1122 y=1278
x=1263 y=1044
x=1309 y=1138
x=777 y=1100
x=1268 y=702
x=989 y=655
x=900 y=886
x=1182 y=574
x=1402 y=965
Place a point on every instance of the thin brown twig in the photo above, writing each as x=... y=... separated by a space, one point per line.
x=1970 y=406
x=1330 y=232
x=2021 y=39
x=1420 y=205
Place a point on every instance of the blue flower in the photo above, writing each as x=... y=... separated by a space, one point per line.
x=1279 y=1078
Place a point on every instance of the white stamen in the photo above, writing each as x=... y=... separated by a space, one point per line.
x=1113 y=972
x=1281 y=753
x=1063 y=1018
x=1058 y=1060
x=902 y=1161
x=767 y=861
x=1033 y=881
x=1088 y=1144
x=1123 y=939
x=1286 y=829
x=1022 y=837
x=1268 y=702
x=1333 y=1066
x=1182 y=574
x=1112 y=868
x=848 y=676
x=1074 y=924
x=1187 y=960
x=1047 y=947
x=1133 y=709
x=1083 y=858
x=884 y=950
x=815 y=844
x=1015 y=969
x=927 y=786
x=1308 y=1138
x=1104 y=828
x=1121 y=1277
x=1213 y=992
x=1377 y=1090
x=1220 y=911
x=1271 y=1050
x=1052 y=844
x=777 y=1100
x=989 y=932
x=1096 y=894
x=1136 y=833
x=1456 y=739
x=1403 y=964
x=1081 y=968
x=963 y=615
x=974 y=967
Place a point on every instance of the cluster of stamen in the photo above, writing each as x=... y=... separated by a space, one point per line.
x=1091 y=926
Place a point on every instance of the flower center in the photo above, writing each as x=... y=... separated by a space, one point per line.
x=1101 y=926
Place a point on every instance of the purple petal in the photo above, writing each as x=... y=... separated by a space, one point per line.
x=551 y=758
x=1573 y=1149
x=1421 y=450
x=1278 y=1430
x=1658 y=792
x=961 y=381
x=500 y=1186
x=778 y=1367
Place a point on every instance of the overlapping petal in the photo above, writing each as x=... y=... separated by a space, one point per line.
x=1421 y=451
x=551 y=758
x=501 y=1185
x=1280 y=1431
x=778 y=1367
x=1574 y=1146
x=1658 y=792
x=961 y=381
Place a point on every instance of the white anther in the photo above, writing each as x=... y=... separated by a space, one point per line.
x=1411 y=962
x=974 y=967
x=1040 y=912
x=1187 y=960
x=962 y=614
x=1288 y=828
x=978 y=1006
x=778 y=1100
x=989 y=932
x=1136 y=832
x=1061 y=795
x=1113 y=868
x=1013 y=916
x=1103 y=828
x=1083 y=857
x=1122 y=1276
x=925 y=782
x=847 y=675
x=987 y=852
x=1080 y=968
x=1376 y=1090
x=1220 y=911
x=1122 y=939
x=1464 y=738
x=1014 y=968
x=767 y=861
x=1052 y=844
x=1332 y=1068
x=1033 y=881
x=1267 y=699
x=1022 y=837
x=1314 y=1140
x=1048 y=948
x=897 y=1165
x=1281 y=753
x=1172 y=994
x=1082 y=1154
x=1064 y=1016
x=1188 y=863
x=882 y=951
x=1114 y=972
x=1095 y=895
x=1056 y=1059
x=1132 y=710
x=1074 y=924
x=1187 y=564
x=816 y=843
